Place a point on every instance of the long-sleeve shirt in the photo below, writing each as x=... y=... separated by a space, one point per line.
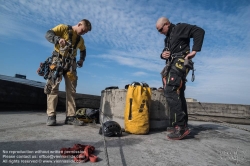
x=61 y=31
x=178 y=38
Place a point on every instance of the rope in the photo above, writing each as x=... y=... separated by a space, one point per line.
x=222 y=123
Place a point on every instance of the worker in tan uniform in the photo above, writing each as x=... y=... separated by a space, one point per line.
x=67 y=40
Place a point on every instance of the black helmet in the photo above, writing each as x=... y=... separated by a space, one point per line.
x=111 y=128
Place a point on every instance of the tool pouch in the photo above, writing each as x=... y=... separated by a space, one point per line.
x=164 y=71
x=174 y=80
x=188 y=63
x=40 y=70
x=71 y=75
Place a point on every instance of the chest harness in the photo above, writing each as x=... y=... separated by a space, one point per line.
x=176 y=62
x=59 y=63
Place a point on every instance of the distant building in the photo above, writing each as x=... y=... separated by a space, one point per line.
x=20 y=76
x=191 y=100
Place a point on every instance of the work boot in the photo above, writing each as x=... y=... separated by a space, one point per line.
x=179 y=133
x=72 y=120
x=51 y=121
x=170 y=129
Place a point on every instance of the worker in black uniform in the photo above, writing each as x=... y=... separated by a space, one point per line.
x=178 y=59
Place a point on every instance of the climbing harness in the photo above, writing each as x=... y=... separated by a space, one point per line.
x=44 y=69
x=60 y=63
x=176 y=62
x=180 y=64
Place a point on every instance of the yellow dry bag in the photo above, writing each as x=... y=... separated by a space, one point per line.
x=136 y=114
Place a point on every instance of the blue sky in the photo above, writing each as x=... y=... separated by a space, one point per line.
x=124 y=45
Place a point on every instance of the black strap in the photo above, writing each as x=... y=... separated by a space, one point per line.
x=77 y=41
x=71 y=36
x=170 y=37
x=168 y=45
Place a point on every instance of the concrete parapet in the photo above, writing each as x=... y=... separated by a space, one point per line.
x=231 y=113
x=113 y=104
x=82 y=101
x=23 y=94
x=159 y=111
x=18 y=96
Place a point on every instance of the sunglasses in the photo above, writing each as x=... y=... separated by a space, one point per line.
x=160 y=30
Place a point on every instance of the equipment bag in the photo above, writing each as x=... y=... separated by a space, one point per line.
x=88 y=115
x=136 y=113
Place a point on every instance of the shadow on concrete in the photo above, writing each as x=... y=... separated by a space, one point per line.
x=121 y=153
x=204 y=128
x=107 y=110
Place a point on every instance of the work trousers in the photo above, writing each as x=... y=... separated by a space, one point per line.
x=52 y=98
x=175 y=93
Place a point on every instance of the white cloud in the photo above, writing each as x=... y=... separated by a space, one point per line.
x=134 y=61
x=139 y=73
x=16 y=30
x=124 y=33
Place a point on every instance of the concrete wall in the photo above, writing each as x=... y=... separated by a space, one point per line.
x=82 y=101
x=16 y=96
x=113 y=105
x=231 y=113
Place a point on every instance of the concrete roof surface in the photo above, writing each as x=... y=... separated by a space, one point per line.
x=24 y=133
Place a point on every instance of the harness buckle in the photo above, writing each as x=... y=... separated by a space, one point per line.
x=67 y=60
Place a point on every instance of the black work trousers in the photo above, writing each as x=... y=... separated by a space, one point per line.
x=175 y=95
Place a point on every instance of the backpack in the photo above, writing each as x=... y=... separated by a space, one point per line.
x=136 y=113
x=88 y=115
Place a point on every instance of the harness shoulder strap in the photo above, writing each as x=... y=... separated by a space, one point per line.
x=77 y=41
x=70 y=33
x=71 y=36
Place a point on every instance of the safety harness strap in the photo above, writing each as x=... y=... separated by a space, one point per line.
x=71 y=36
x=171 y=59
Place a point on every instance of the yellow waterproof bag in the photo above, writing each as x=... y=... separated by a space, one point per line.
x=136 y=113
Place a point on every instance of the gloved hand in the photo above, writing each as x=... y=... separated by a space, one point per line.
x=79 y=63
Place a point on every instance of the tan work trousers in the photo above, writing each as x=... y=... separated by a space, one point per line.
x=52 y=98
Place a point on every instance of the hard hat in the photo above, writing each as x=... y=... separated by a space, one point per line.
x=111 y=128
